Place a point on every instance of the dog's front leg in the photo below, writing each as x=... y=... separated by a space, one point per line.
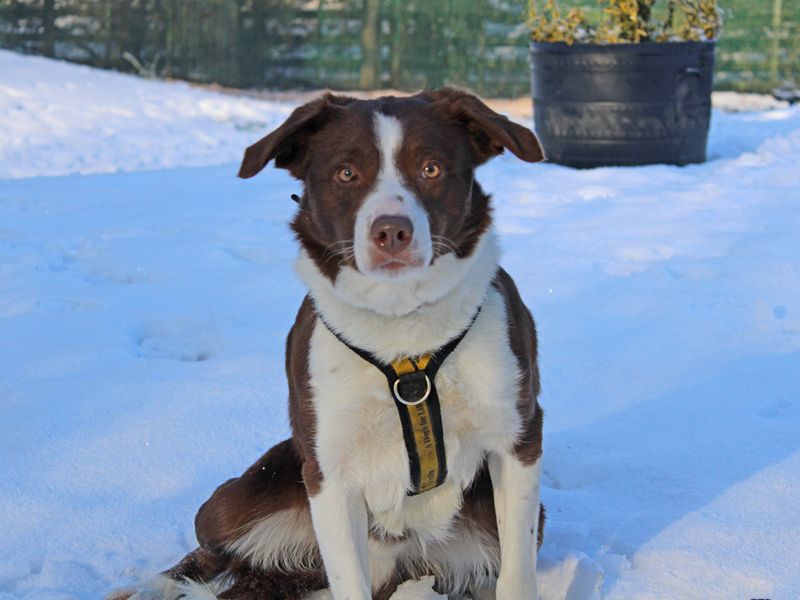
x=516 y=503
x=339 y=516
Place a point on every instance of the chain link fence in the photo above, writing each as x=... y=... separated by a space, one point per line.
x=354 y=44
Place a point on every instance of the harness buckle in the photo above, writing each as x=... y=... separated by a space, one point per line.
x=416 y=386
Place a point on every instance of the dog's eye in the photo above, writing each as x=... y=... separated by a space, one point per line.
x=346 y=175
x=432 y=170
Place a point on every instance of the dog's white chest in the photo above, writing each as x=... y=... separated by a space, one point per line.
x=359 y=435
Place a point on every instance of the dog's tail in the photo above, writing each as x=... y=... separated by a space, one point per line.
x=192 y=578
x=198 y=565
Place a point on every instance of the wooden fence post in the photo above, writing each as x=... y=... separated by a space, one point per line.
x=49 y=28
x=775 y=42
x=369 y=77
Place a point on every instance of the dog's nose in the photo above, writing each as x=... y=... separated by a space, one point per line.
x=392 y=234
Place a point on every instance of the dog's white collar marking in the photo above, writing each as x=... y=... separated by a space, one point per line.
x=406 y=317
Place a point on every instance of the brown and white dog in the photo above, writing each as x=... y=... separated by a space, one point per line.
x=399 y=255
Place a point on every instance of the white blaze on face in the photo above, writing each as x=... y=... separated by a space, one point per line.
x=391 y=198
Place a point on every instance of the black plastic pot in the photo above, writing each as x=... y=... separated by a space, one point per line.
x=622 y=104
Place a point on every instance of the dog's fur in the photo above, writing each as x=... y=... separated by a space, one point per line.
x=329 y=506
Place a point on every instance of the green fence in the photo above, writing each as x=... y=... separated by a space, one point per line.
x=350 y=44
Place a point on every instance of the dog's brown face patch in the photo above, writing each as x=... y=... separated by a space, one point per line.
x=458 y=210
x=338 y=148
x=325 y=222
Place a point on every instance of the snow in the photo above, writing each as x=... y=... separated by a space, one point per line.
x=143 y=316
x=58 y=118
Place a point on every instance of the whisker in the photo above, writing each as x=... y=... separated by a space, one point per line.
x=337 y=247
x=342 y=249
x=443 y=245
x=343 y=252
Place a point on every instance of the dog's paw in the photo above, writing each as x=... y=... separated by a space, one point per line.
x=516 y=589
x=421 y=589
x=410 y=590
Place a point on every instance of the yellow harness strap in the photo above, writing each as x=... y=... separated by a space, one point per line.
x=423 y=436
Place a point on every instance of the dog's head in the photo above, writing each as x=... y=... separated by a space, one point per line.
x=389 y=190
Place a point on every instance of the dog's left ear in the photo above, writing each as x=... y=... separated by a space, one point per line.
x=490 y=132
x=286 y=145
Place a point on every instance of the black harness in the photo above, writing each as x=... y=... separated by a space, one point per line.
x=412 y=385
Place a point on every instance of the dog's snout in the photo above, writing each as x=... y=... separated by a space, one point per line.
x=392 y=234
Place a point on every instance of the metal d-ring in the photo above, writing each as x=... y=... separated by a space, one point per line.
x=421 y=400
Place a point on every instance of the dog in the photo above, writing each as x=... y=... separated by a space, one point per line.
x=412 y=366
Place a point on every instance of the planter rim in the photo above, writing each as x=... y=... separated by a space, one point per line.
x=664 y=47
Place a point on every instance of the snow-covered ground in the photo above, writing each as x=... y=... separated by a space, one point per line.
x=143 y=315
x=58 y=118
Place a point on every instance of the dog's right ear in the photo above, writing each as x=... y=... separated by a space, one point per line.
x=490 y=132
x=287 y=144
